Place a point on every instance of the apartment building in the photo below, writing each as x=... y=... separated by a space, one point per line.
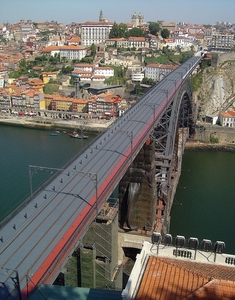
x=95 y=32
x=158 y=71
x=105 y=104
x=222 y=42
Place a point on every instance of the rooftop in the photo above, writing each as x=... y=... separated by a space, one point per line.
x=163 y=271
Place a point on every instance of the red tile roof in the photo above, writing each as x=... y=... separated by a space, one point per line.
x=166 y=278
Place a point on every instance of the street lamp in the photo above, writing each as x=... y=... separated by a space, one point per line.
x=92 y=176
x=173 y=80
x=164 y=91
x=153 y=106
x=130 y=135
x=35 y=168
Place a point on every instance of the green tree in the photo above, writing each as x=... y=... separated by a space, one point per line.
x=88 y=60
x=114 y=32
x=136 y=32
x=66 y=70
x=93 y=50
x=51 y=88
x=165 y=33
x=154 y=28
x=123 y=30
x=148 y=81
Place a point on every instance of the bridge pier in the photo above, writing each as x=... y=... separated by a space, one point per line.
x=94 y=264
x=137 y=192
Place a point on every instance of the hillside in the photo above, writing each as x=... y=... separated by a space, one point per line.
x=217 y=89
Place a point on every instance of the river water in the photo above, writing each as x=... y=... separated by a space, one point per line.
x=21 y=147
x=204 y=205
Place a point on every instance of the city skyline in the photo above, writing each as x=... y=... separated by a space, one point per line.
x=188 y=11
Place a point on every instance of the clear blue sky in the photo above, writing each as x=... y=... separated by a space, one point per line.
x=67 y=11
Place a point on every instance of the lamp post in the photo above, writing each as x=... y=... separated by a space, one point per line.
x=92 y=177
x=173 y=80
x=130 y=135
x=153 y=106
x=35 y=168
x=166 y=92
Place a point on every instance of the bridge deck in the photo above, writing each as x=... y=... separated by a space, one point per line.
x=43 y=234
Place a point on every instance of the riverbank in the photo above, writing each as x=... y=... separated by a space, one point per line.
x=194 y=145
x=48 y=124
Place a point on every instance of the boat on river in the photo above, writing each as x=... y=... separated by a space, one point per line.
x=78 y=136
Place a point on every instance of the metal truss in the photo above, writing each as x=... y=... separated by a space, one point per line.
x=166 y=133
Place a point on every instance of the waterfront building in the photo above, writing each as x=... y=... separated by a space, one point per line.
x=35 y=84
x=227 y=119
x=105 y=104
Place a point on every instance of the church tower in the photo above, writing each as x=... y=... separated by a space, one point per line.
x=101 y=18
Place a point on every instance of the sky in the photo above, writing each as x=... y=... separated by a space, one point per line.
x=79 y=11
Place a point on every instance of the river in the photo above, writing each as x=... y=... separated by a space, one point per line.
x=204 y=204
x=21 y=147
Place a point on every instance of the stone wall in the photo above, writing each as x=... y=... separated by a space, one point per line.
x=209 y=133
x=219 y=58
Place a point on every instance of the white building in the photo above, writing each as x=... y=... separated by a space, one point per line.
x=182 y=42
x=137 y=76
x=104 y=71
x=137 y=42
x=73 y=52
x=84 y=67
x=227 y=119
x=69 y=52
x=222 y=42
x=158 y=71
x=95 y=32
